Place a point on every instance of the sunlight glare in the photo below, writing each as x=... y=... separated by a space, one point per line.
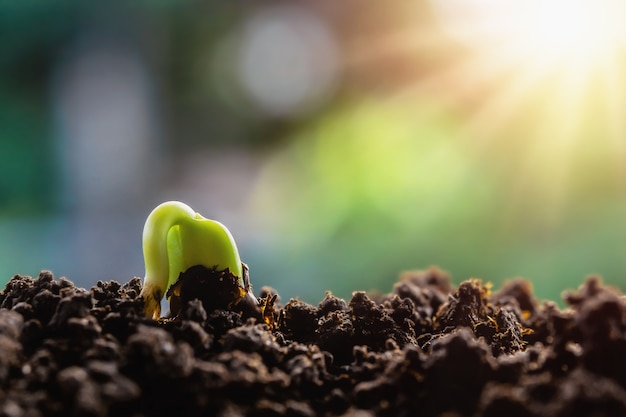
x=545 y=80
x=560 y=32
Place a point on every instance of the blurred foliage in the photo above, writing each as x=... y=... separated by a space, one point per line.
x=428 y=150
x=371 y=189
x=27 y=167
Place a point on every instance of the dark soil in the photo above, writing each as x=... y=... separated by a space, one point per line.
x=426 y=349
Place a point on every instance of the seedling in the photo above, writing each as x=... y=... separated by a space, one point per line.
x=177 y=239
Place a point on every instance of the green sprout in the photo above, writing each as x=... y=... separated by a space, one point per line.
x=175 y=239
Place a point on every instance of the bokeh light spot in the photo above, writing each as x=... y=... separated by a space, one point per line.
x=287 y=61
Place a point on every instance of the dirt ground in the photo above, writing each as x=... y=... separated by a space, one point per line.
x=427 y=348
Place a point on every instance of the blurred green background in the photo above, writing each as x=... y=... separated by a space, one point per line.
x=341 y=142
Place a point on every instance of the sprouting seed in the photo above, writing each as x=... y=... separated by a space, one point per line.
x=175 y=239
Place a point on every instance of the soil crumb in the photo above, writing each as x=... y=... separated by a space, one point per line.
x=427 y=348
